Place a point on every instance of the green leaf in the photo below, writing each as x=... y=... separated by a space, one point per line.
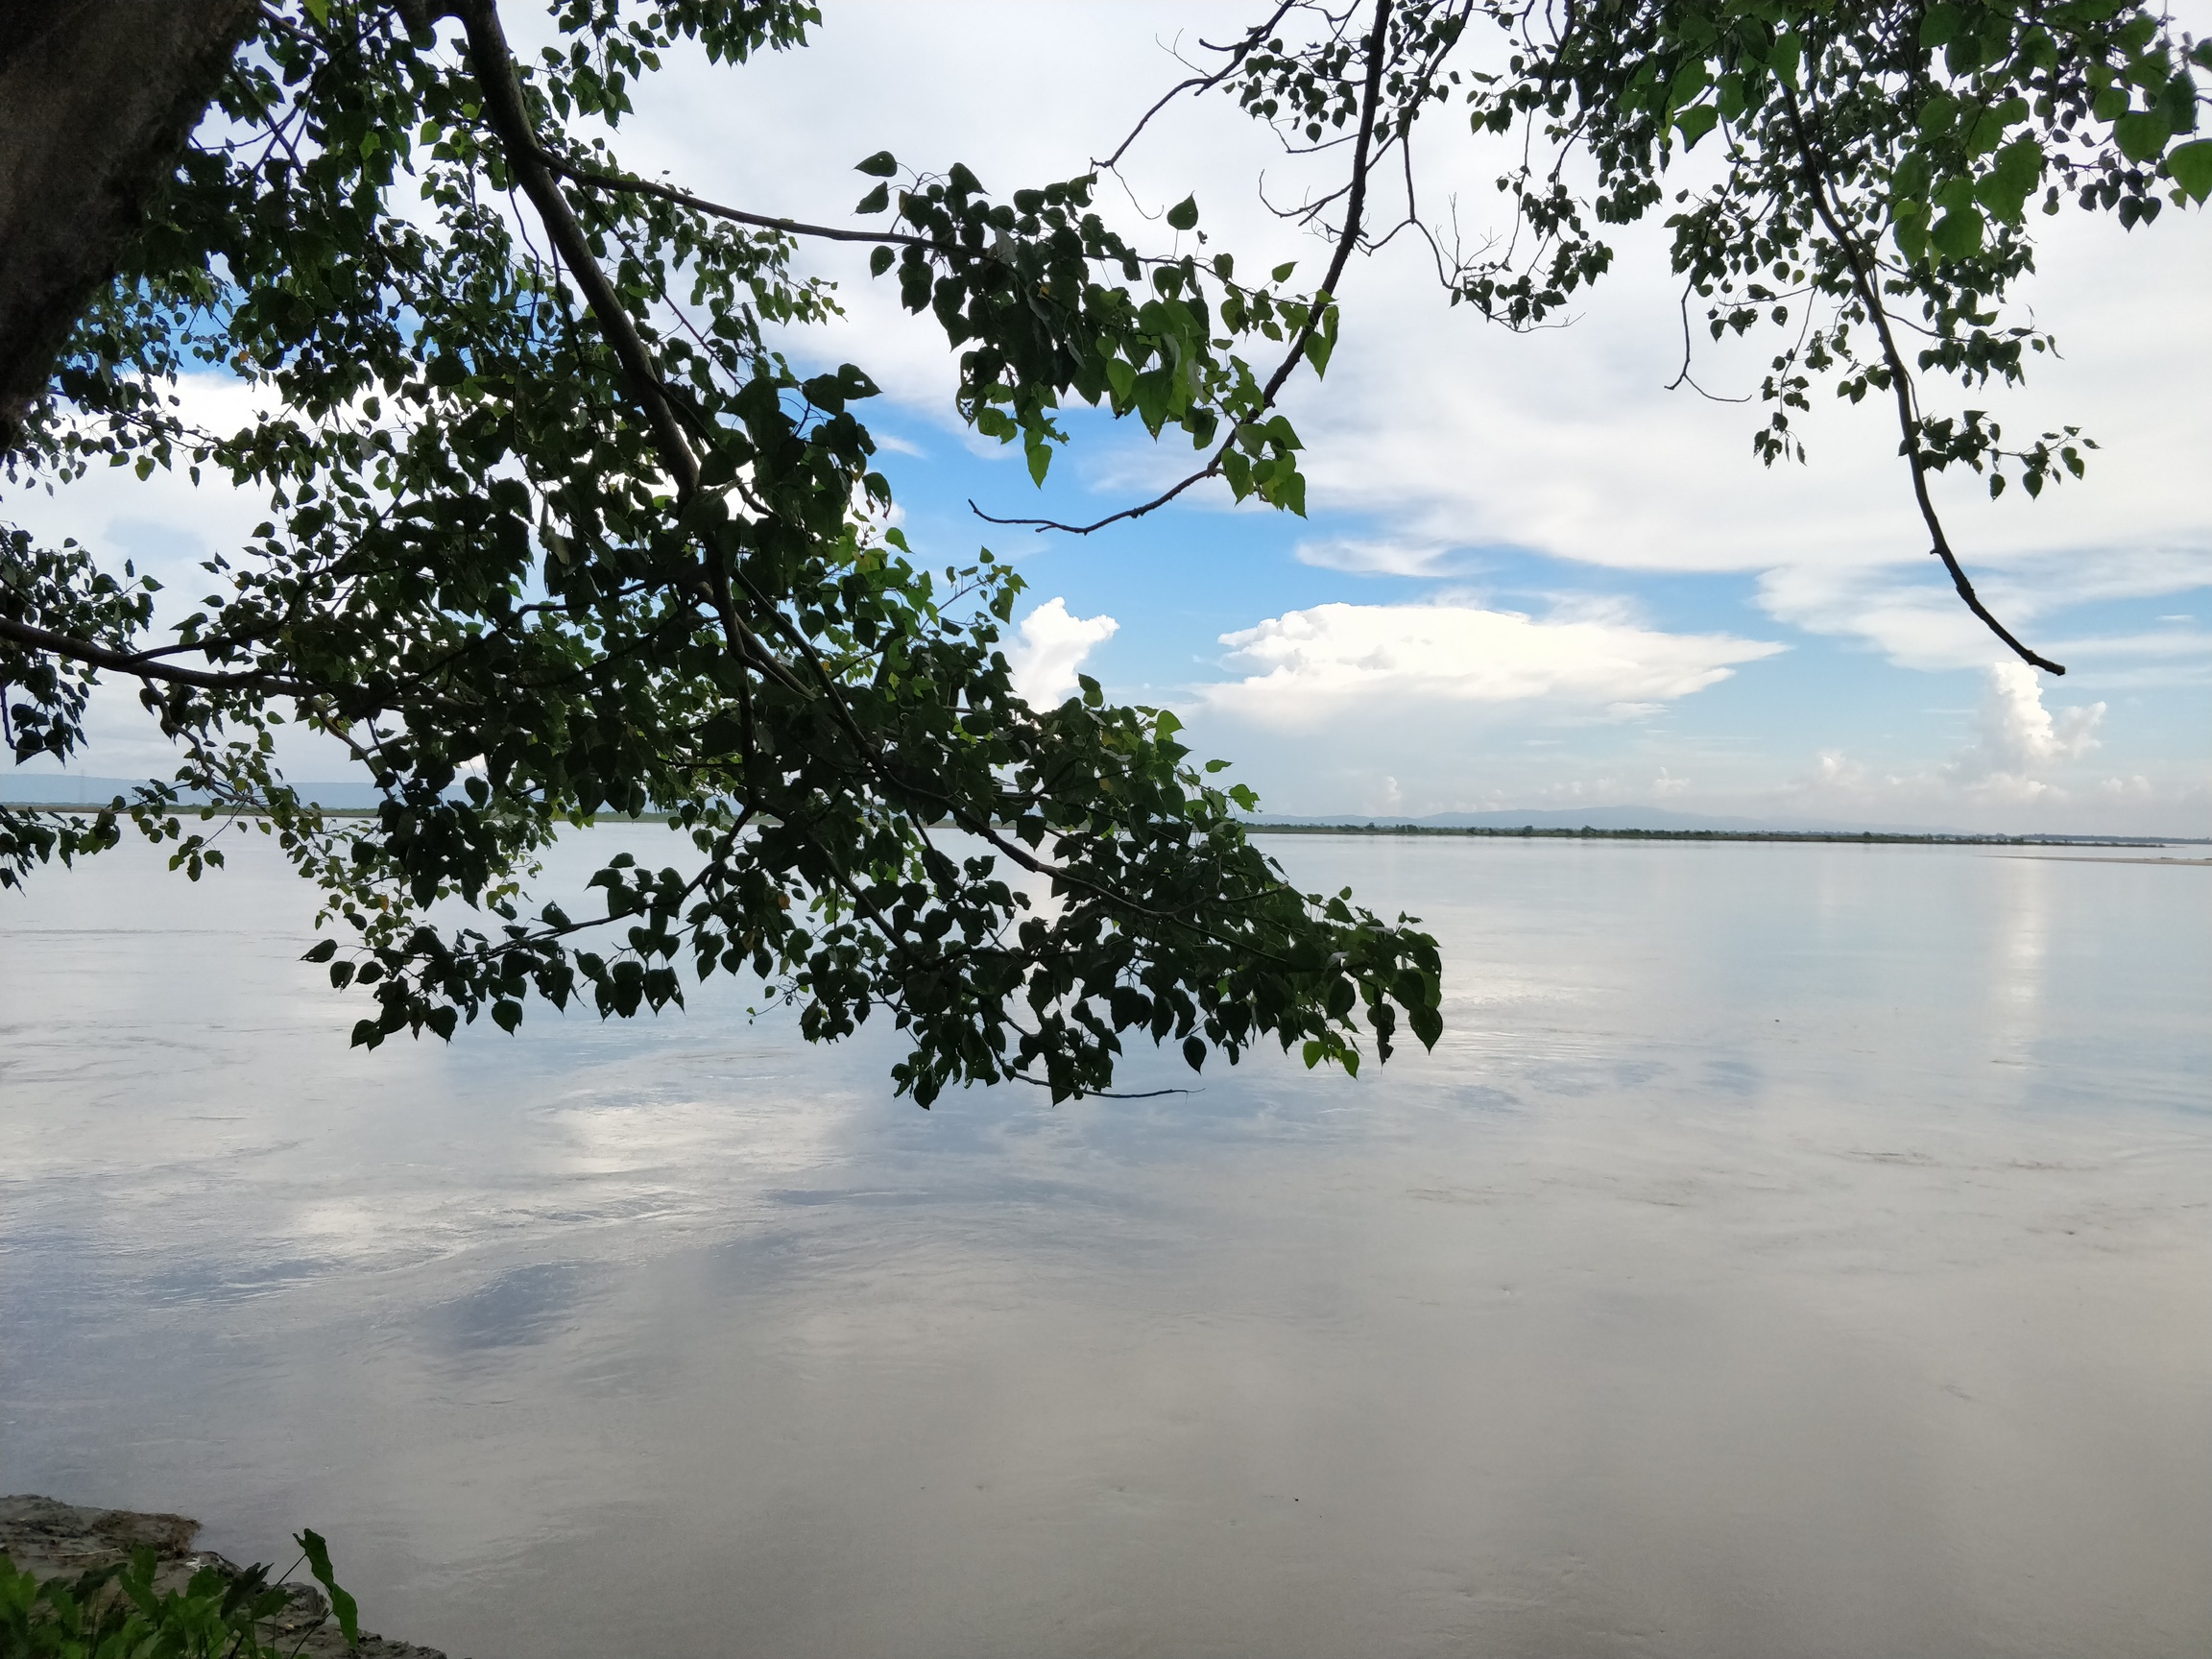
x=1194 y=1053
x=880 y=165
x=1912 y=177
x=1428 y=1024
x=321 y=952
x=880 y=261
x=1691 y=80
x=1941 y=25
x=1695 y=122
x=2190 y=166
x=874 y=202
x=1184 y=214
x=1957 y=234
x=1911 y=230
x=1282 y=273
x=2141 y=136
x=318 y=1556
x=2004 y=191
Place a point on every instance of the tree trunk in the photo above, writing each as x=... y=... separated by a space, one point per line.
x=97 y=98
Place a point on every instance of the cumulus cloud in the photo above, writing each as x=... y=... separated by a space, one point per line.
x=2019 y=757
x=1053 y=648
x=1310 y=662
x=2020 y=740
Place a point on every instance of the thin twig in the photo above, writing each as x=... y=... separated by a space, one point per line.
x=1258 y=33
x=1323 y=298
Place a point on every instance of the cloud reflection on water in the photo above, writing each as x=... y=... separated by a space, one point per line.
x=1788 y=1250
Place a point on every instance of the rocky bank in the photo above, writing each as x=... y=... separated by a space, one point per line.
x=51 y=1539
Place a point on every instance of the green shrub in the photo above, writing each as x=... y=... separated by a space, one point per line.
x=118 y=1612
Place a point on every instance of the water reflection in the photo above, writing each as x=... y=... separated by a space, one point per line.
x=2016 y=972
x=1716 y=1289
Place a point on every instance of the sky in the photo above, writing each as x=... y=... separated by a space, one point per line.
x=1529 y=575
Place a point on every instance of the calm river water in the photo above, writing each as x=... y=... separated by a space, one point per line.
x=1790 y=1250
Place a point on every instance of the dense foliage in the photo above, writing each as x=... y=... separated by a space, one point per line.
x=554 y=532
x=1867 y=189
x=122 y=1612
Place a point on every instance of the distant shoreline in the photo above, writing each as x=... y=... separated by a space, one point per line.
x=1527 y=832
x=1835 y=837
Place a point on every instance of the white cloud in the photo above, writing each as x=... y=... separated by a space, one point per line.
x=1449 y=433
x=2021 y=741
x=165 y=523
x=2020 y=758
x=1382 y=558
x=1053 y=651
x=1914 y=617
x=1307 y=664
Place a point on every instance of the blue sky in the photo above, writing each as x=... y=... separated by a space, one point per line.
x=1530 y=576
x=1179 y=582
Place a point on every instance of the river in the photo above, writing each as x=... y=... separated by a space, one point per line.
x=1788 y=1250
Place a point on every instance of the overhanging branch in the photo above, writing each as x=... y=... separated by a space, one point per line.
x=1900 y=380
x=1348 y=238
x=145 y=666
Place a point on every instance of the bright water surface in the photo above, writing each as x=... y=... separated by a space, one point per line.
x=1788 y=1250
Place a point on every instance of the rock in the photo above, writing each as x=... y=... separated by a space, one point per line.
x=50 y=1539
x=64 y=1538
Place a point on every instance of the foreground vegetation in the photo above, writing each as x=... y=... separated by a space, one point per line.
x=118 y=1611
x=556 y=527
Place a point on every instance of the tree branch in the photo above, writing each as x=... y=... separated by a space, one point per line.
x=1900 y=381
x=1355 y=203
x=1237 y=53
x=510 y=119
x=96 y=101
x=592 y=179
x=141 y=665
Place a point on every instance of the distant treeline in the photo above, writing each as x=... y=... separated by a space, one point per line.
x=1840 y=837
x=357 y=807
